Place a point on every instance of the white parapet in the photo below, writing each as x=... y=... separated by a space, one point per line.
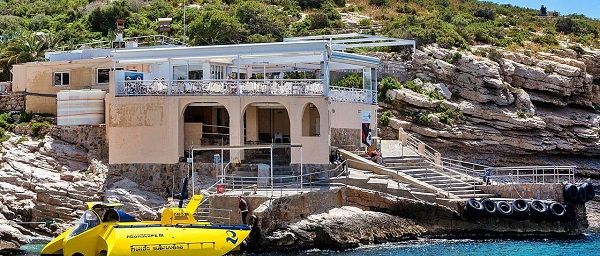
x=80 y=107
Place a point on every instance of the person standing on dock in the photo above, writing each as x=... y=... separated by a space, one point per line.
x=243 y=205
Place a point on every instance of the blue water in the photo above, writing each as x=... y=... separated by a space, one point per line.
x=588 y=245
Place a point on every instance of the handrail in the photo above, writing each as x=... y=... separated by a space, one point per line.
x=531 y=174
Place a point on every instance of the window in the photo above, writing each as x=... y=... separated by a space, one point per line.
x=180 y=72
x=195 y=72
x=217 y=72
x=61 y=78
x=102 y=75
x=187 y=72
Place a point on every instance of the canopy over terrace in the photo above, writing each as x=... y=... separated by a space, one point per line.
x=250 y=69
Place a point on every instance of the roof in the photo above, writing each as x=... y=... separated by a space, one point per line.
x=354 y=40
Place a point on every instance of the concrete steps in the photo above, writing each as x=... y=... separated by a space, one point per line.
x=453 y=184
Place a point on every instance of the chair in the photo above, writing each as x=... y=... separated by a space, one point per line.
x=278 y=137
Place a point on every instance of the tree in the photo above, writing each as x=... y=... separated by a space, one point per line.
x=22 y=49
x=260 y=18
x=216 y=27
x=103 y=18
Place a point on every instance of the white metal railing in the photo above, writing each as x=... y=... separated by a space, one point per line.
x=428 y=152
x=531 y=174
x=472 y=169
x=296 y=87
x=294 y=182
x=354 y=95
x=140 y=41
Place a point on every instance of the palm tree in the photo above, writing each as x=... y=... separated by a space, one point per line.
x=27 y=48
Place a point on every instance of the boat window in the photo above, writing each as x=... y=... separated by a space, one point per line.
x=88 y=220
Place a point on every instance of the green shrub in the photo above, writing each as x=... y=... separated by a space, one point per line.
x=449 y=116
x=25 y=117
x=3 y=135
x=411 y=85
x=352 y=80
x=21 y=140
x=487 y=14
x=452 y=59
x=386 y=84
x=572 y=25
x=422 y=118
x=385 y=118
x=365 y=23
x=521 y=114
x=549 y=69
x=379 y=2
x=6 y=122
x=36 y=127
x=434 y=95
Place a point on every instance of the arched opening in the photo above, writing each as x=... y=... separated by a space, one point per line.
x=205 y=124
x=311 y=121
x=266 y=123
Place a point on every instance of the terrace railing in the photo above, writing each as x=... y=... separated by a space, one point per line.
x=346 y=94
x=262 y=87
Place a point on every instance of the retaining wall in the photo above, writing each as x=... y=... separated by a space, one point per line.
x=552 y=191
x=12 y=101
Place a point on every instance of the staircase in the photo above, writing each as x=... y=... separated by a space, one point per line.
x=453 y=183
x=382 y=183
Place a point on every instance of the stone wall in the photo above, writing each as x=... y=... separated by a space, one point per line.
x=164 y=179
x=91 y=137
x=343 y=137
x=550 y=191
x=12 y=101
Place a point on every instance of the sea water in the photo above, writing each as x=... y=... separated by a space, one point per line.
x=587 y=245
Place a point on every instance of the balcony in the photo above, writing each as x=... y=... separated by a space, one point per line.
x=255 y=87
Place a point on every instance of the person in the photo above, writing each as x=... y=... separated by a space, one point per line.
x=243 y=205
x=374 y=154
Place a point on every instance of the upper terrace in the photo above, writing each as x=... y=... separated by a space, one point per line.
x=302 y=66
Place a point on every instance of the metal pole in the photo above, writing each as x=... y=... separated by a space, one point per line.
x=192 y=171
x=271 y=169
x=184 y=25
x=301 y=169
x=222 y=166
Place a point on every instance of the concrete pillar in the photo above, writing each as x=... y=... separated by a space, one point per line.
x=252 y=123
x=295 y=114
x=206 y=71
x=438 y=160
x=402 y=136
x=421 y=149
x=236 y=130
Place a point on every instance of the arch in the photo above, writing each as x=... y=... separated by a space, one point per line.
x=311 y=121
x=205 y=123
x=266 y=122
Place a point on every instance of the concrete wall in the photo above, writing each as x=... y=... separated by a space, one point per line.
x=37 y=78
x=151 y=130
x=346 y=122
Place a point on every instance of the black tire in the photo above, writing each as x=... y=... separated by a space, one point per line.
x=489 y=206
x=589 y=191
x=581 y=195
x=557 y=210
x=520 y=207
x=473 y=208
x=538 y=208
x=504 y=208
x=570 y=193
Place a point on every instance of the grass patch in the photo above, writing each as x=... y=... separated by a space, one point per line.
x=411 y=85
x=3 y=135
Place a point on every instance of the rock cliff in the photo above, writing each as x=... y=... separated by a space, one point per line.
x=48 y=179
x=503 y=108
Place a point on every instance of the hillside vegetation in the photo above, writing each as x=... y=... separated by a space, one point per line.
x=450 y=23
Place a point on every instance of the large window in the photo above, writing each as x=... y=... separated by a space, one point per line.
x=187 y=72
x=102 y=75
x=61 y=78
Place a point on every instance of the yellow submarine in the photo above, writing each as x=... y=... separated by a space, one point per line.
x=105 y=231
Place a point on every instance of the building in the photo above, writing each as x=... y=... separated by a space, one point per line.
x=162 y=102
